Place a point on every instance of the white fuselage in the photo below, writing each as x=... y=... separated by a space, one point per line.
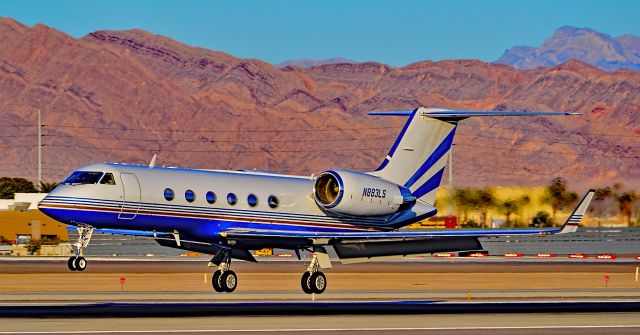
x=137 y=202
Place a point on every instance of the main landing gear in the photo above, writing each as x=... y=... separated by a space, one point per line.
x=77 y=262
x=314 y=281
x=223 y=279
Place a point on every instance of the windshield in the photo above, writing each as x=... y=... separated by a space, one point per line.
x=108 y=179
x=83 y=177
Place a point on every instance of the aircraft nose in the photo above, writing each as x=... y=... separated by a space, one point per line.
x=45 y=204
x=42 y=205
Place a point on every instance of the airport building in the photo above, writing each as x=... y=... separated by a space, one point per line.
x=21 y=222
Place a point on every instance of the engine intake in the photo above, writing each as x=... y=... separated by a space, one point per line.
x=359 y=194
x=329 y=189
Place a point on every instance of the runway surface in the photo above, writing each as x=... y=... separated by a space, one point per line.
x=179 y=280
x=48 y=282
x=477 y=324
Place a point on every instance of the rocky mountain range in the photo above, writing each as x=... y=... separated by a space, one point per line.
x=124 y=95
x=308 y=62
x=583 y=44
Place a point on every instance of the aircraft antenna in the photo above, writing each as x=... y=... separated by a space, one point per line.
x=152 y=164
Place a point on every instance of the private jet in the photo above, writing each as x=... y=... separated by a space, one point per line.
x=229 y=213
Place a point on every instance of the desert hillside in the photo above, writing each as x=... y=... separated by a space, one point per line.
x=124 y=95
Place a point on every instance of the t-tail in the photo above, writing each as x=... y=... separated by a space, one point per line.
x=418 y=157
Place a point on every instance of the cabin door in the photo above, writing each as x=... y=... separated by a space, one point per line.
x=131 y=196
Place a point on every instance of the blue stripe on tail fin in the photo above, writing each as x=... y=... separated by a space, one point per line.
x=430 y=185
x=440 y=151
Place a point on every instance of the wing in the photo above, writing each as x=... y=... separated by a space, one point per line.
x=367 y=245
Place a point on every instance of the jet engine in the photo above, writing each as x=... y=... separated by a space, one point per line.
x=359 y=194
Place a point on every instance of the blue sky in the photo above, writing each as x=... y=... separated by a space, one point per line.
x=392 y=32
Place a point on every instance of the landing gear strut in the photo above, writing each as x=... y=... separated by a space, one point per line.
x=313 y=281
x=224 y=279
x=77 y=262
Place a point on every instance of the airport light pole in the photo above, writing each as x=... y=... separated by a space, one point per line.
x=39 y=148
x=451 y=166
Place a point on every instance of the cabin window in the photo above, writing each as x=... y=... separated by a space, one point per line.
x=83 y=177
x=108 y=179
x=189 y=195
x=168 y=194
x=252 y=200
x=273 y=201
x=232 y=199
x=211 y=197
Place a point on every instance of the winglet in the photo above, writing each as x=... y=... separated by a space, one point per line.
x=571 y=225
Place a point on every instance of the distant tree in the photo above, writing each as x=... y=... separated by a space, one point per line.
x=508 y=207
x=472 y=224
x=557 y=195
x=602 y=201
x=602 y=193
x=625 y=204
x=10 y=186
x=35 y=244
x=523 y=201
x=463 y=200
x=484 y=200
x=46 y=187
x=541 y=219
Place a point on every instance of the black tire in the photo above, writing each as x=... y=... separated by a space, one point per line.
x=229 y=281
x=304 y=282
x=71 y=263
x=80 y=264
x=215 y=281
x=318 y=282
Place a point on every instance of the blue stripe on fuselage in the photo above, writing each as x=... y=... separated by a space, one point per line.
x=213 y=211
x=200 y=229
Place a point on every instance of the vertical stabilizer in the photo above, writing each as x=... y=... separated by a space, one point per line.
x=418 y=156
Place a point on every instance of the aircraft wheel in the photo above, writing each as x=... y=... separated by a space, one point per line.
x=71 y=263
x=305 y=283
x=80 y=264
x=215 y=281
x=229 y=281
x=318 y=282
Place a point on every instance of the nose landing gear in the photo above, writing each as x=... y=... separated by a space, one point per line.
x=78 y=262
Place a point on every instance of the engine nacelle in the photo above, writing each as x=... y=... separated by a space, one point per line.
x=359 y=194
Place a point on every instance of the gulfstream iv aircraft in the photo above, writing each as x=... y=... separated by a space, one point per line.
x=229 y=213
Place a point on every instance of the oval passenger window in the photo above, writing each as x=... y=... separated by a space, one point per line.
x=168 y=194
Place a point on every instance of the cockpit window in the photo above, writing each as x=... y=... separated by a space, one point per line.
x=108 y=179
x=84 y=177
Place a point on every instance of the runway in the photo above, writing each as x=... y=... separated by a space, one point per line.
x=553 y=297
x=476 y=324
x=158 y=280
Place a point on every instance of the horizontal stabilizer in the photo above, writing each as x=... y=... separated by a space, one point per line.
x=439 y=113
